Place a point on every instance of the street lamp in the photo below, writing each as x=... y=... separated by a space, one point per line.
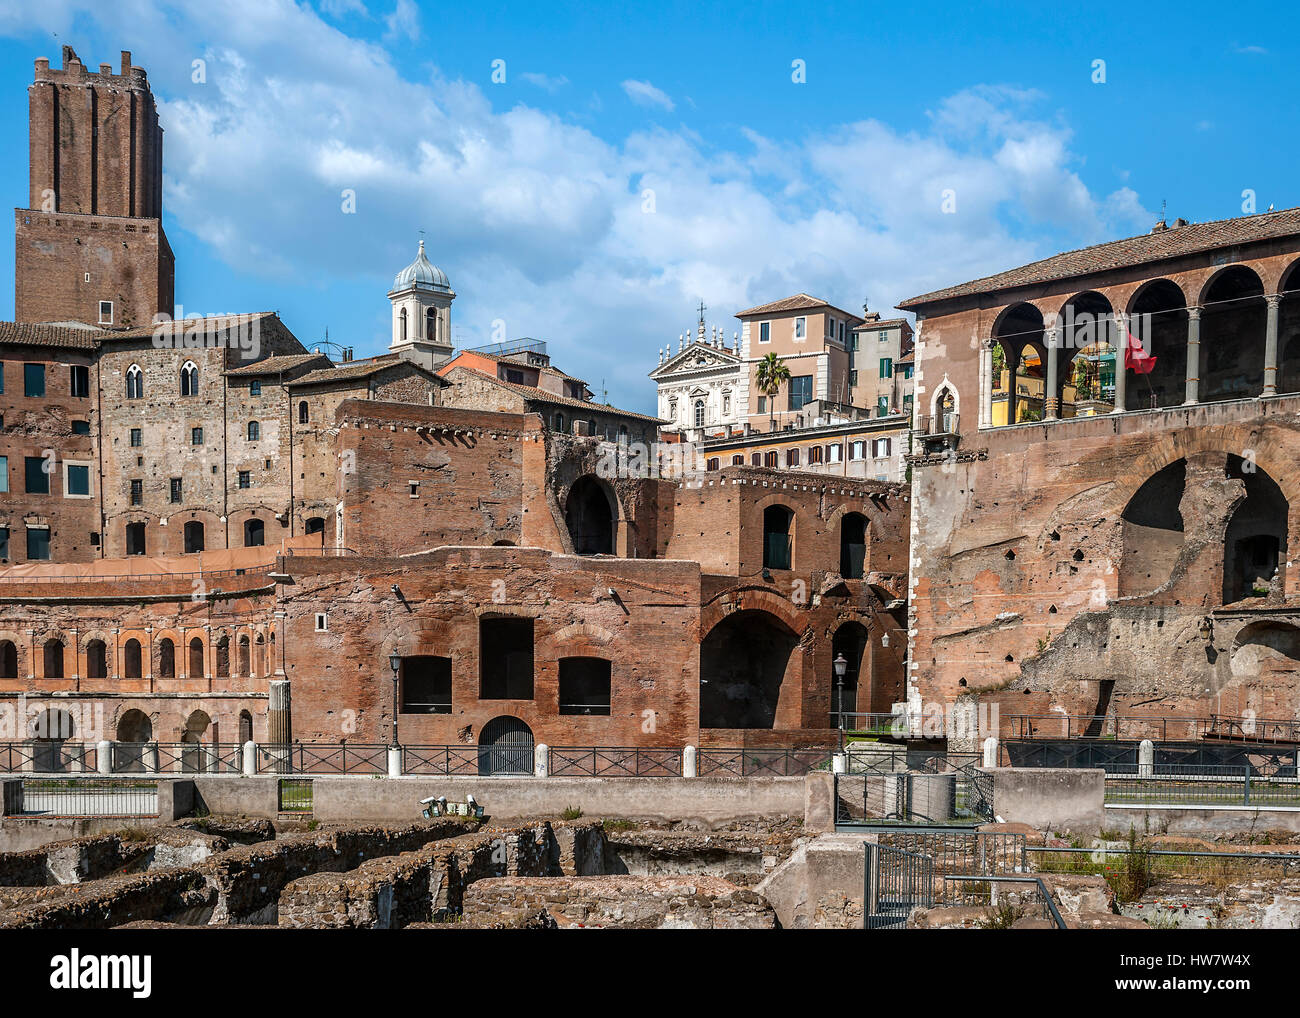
x=395 y=662
x=841 y=666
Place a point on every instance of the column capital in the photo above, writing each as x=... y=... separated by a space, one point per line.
x=1273 y=299
x=1193 y=312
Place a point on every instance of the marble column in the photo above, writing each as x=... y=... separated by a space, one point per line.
x=1121 y=359
x=1193 y=357
x=1270 y=345
x=1051 y=397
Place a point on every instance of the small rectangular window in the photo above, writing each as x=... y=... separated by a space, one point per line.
x=34 y=380
x=37 y=480
x=322 y=622
x=137 y=437
x=4 y=543
x=137 y=492
x=4 y=473
x=105 y=312
x=78 y=479
x=800 y=327
x=245 y=479
x=196 y=436
x=886 y=367
x=765 y=332
x=2 y=377
x=79 y=383
x=38 y=544
x=176 y=490
x=81 y=427
x=255 y=387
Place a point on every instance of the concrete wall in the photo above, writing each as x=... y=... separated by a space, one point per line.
x=713 y=801
x=1050 y=798
x=1201 y=821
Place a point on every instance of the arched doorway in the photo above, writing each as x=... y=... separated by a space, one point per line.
x=1152 y=527
x=51 y=729
x=194 y=539
x=254 y=533
x=96 y=660
x=134 y=729
x=132 y=659
x=1232 y=336
x=853 y=545
x=1254 y=547
x=53 y=658
x=851 y=641
x=505 y=746
x=1158 y=321
x=743 y=664
x=193 y=753
x=1085 y=370
x=1018 y=329
x=589 y=515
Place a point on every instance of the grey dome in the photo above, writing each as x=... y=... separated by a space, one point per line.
x=422 y=274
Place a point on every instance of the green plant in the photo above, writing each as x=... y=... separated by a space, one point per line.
x=1002 y=917
x=571 y=813
x=617 y=825
x=771 y=375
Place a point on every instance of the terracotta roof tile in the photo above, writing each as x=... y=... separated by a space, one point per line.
x=355 y=370
x=542 y=396
x=799 y=302
x=65 y=337
x=274 y=365
x=1173 y=242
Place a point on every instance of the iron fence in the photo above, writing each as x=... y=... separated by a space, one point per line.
x=48 y=756
x=295 y=795
x=978 y=853
x=1114 y=861
x=895 y=882
x=308 y=758
x=1030 y=896
x=440 y=760
x=1157 y=728
x=1191 y=784
x=782 y=763
x=601 y=762
x=89 y=797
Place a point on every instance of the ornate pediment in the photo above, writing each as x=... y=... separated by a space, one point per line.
x=696 y=358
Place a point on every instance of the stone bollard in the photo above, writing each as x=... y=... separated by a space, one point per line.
x=991 y=751
x=541 y=760
x=250 y=759
x=151 y=758
x=840 y=763
x=104 y=757
x=689 y=763
x=1146 y=759
x=394 y=761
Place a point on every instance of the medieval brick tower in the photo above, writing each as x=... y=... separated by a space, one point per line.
x=90 y=247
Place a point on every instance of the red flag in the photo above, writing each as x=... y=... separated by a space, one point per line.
x=1136 y=357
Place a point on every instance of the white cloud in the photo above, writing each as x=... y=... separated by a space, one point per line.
x=540 y=222
x=545 y=81
x=645 y=94
x=403 y=22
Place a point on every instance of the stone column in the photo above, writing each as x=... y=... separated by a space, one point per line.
x=279 y=721
x=1121 y=358
x=1193 y=395
x=1270 y=345
x=1051 y=398
x=986 y=383
x=104 y=757
x=541 y=760
x=1012 y=365
x=250 y=759
x=689 y=762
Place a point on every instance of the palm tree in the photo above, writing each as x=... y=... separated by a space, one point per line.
x=772 y=374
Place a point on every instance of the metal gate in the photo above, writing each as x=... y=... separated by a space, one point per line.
x=895 y=882
x=505 y=747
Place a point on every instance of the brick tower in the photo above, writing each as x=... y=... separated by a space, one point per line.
x=90 y=247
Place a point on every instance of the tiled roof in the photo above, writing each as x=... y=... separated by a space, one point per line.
x=888 y=323
x=1173 y=242
x=356 y=370
x=799 y=302
x=65 y=337
x=274 y=365
x=542 y=396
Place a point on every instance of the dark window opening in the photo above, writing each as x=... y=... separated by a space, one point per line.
x=96 y=660
x=505 y=659
x=585 y=686
x=132 y=659
x=254 y=533
x=166 y=658
x=425 y=684
x=743 y=665
x=193 y=537
x=53 y=654
x=135 y=539
x=777 y=520
x=590 y=518
x=853 y=545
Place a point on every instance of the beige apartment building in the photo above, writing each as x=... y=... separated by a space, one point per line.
x=880 y=365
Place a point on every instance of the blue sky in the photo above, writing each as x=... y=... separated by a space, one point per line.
x=532 y=192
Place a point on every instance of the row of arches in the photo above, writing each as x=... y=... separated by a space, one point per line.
x=194 y=535
x=188 y=380
x=252 y=657
x=1163 y=348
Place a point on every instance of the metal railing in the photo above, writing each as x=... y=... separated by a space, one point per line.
x=1156 y=727
x=89 y=797
x=1004 y=911
x=784 y=763
x=440 y=760
x=310 y=758
x=48 y=756
x=1203 y=785
x=895 y=882
x=601 y=762
x=1160 y=863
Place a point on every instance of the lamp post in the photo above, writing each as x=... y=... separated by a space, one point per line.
x=395 y=662
x=841 y=666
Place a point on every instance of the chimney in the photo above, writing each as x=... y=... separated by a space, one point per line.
x=126 y=61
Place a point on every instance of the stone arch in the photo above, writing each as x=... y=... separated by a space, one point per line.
x=591 y=515
x=505 y=746
x=166 y=658
x=1232 y=335
x=52 y=658
x=96 y=658
x=132 y=660
x=196 y=726
x=1255 y=544
x=1157 y=318
x=1152 y=531
x=1267 y=649
x=196 y=665
x=134 y=726
x=778 y=536
x=746 y=661
x=245 y=659
x=1288 y=330
x=1017 y=327
x=851 y=639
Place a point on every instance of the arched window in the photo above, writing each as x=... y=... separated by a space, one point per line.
x=254 y=533
x=559 y=422
x=223 y=658
x=244 y=658
x=401 y=325
x=193 y=537
x=713 y=463
x=131 y=659
x=134 y=382
x=189 y=379
x=166 y=658
x=96 y=660
x=197 y=670
x=254 y=431
x=54 y=658
x=315 y=525
x=8 y=660
x=699 y=413
x=815 y=454
x=792 y=457
x=771 y=459
x=245 y=727
x=259 y=655
x=777 y=524
x=431 y=325
x=302 y=412
x=738 y=460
